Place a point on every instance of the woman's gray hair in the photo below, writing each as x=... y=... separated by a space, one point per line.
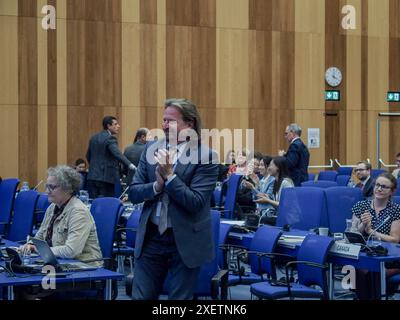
x=68 y=178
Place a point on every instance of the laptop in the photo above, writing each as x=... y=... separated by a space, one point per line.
x=252 y=221
x=49 y=258
x=355 y=238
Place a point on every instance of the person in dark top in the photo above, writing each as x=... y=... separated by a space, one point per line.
x=379 y=217
x=134 y=151
x=297 y=155
x=365 y=181
x=104 y=157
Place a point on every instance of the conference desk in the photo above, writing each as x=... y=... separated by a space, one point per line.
x=27 y=280
x=375 y=264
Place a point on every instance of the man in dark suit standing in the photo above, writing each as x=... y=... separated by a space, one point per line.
x=104 y=156
x=297 y=156
x=175 y=179
x=135 y=150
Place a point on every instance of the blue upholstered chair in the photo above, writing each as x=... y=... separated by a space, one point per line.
x=311 y=176
x=127 y=249
x=339 y=201
x=262 y=245
x=342 y=180
x=8 y=187
x=302 y=208
x=22 y=221
x=312 y=271
x=41 y=207
x=231 y=194
x=345 y=171
x=319 y=184
x=105 y=212
x=327 y=175
x=396 y=199
x=376 y=172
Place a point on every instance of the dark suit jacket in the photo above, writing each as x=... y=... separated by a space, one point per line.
x=133 y=153
x=368 y=189
x=189 y=204
x=104 y=156
x=298 y=158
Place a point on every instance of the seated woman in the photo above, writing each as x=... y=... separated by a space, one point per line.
x=68 y=226
x=368 y=215
x=279 y=170
x=82 y=168
x=265 y=184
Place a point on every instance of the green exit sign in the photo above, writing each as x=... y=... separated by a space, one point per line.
x=332 y=95
x=393 y=96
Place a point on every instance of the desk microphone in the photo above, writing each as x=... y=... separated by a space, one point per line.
x=40 y=182
x=123 y=193
x=376 y=229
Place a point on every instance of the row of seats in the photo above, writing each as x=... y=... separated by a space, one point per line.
x=331 y=175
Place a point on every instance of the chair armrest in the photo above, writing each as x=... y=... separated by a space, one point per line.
x=220 y=280
x=226 y=247
x=312 y=264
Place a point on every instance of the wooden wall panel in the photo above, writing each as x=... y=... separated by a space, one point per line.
x=130 y=11
x=179 y=61
x=394 y=78
x=232 y=68
x=255 y=64
x=148 y=65
x=57 y=116
x=232 y=14
x=9 y=163
x=148 y=11
x=9 y=60
x=27 y=91
x=9 y=8
x=203 y=64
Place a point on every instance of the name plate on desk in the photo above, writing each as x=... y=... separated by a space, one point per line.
x=347 y=250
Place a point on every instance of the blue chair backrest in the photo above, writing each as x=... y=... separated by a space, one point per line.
x=302 y=208
x=398 y=187
x=345 y=171
x=224 y=229
x=41 y=206
x=133 y=222
x=22 y=221
x=8 y=187
x=376 y=172
x=319 y=184
x=105 y=213
x=265 y=240
x=396 y=199
x=339 y=201
x=210 y=269
x=311 y=176
x=343 y=180
x=231 y=193
x=313 y=249
x=327 y=175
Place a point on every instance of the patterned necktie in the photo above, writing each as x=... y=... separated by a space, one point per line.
x=163 y=214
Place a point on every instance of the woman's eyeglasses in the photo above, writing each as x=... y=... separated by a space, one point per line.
x=51 y=187
x=382 y=186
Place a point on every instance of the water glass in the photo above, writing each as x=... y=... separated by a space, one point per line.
x=375 y=240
